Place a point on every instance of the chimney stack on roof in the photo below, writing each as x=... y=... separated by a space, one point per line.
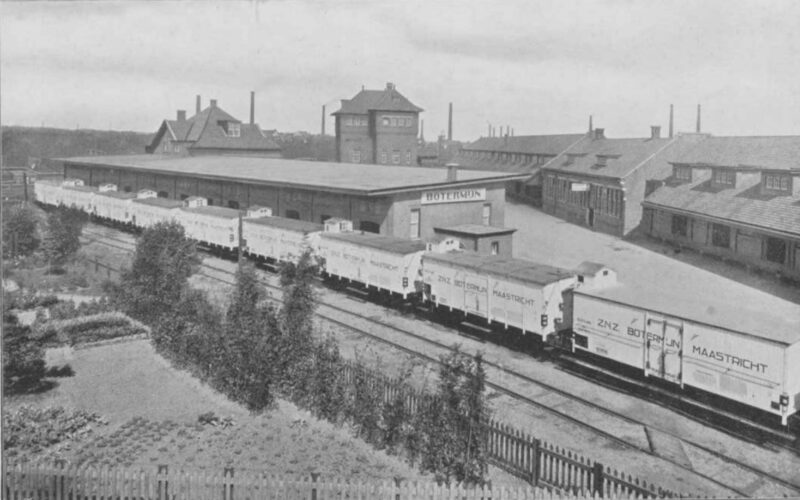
x=450 y=123
x=181 y=115
x=599 y=133
x=452 y=172
x=698 y=118
x=670 y=121
x=389 y=86
x=655 y=132
x=253 y=107
x=197 y=110
x=213 y=103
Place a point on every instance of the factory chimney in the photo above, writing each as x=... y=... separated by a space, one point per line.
x=591 y=128
x=252 y=107
x=323 y=119
x=670 y=121
x=450 y=123
x=422 y=131
x=197 y=110
x=698 y=118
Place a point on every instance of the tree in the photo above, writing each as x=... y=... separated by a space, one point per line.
x=23 y=357
x=159 y=275
x=62 y=238
x=19 y=231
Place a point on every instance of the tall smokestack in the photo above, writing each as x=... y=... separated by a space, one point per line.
x=670 y=121
x=591 y=127
x=698 y=118
x=490 y=129
x=422 y=130
x=198 y=105
x=323 y=119
x=252 y=107
x=450 y=123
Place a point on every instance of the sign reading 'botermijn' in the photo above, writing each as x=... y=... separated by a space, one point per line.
x=453 y=195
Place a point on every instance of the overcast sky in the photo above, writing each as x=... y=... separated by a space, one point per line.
x=541 y=67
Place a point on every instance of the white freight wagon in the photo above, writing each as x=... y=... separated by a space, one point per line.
x=747 y=355
x=78 y=196
x=115 y=206
x=388 y=264
x=214 y=226
x=509 y=293
x=276 y=239
x=150 y=211
x=47 y=192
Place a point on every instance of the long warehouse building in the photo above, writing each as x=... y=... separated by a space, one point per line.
x=400 y=201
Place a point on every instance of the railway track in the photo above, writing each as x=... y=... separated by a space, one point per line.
x=543 y=401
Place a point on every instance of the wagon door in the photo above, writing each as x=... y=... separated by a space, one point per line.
x=663 y=348
x=475 y=291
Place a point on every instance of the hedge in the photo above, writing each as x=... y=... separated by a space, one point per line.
x=89 y=328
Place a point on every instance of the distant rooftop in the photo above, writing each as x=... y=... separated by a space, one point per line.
x=552 y=144
x=767 y=152
x=363 y=179
x=388 y=99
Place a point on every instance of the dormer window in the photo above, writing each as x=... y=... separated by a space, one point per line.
x=683 y=173
x=724 y=177
x=234 y=130
x=777 y=182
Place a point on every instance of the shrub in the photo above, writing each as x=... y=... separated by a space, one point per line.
x=90 y=328
x=33 y=429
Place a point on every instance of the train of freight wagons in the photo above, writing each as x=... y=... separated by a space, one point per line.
x=715 y=347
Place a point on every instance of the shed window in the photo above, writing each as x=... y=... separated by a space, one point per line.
x=725 y=177
x=777 y=182
x=720 y=236
x=776 y=250
x=680 y=225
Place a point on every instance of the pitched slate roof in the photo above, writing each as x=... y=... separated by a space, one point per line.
x=771 y=152
x=388 y=99
x=743 y=204
x=619 y=158
x=206 y=130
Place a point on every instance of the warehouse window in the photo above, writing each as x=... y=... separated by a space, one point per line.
x=680 y=225
x=777 y=182
x=356 y=156
x=414 y=224
x=383 y=156
x=233 y=204
x=720 y=236
x=396 y=156
x=385 y=121
x=683 y=173
x=293 y=214
x=487 y=214
x=776 y=250
x=724 y=177
x=408 y=157
x=234 y=130
x=369 y=227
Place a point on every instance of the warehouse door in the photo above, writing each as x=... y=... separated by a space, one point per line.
x=663 y=348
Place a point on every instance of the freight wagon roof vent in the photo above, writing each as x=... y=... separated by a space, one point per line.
x=595 y=275
x=444 y=244
x=258 y=211
x=106 y=187
x=336 y=225
x=143 y=194
x=196 y=201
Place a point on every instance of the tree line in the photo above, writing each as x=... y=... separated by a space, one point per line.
x=255 y=352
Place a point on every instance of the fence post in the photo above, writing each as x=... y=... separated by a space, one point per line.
x=227 y=483
x=598 y=479
x=314 y=476
x=163 y=483
x=397 y=481
x=535 y=455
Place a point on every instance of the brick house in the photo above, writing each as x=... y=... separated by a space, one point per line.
x=379 y=127
x=600 y=183
x=518 y=154
x=212 y=131
x=734 y=197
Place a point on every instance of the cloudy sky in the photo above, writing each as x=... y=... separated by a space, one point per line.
x=538 y=66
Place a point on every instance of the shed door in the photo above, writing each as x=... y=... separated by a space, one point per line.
x=663 y=348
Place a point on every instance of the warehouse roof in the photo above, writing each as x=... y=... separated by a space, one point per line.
x=364 y=179
x=527 y=144
x=522 y=270
x=743 y=204
x=618 y=158
x=388 y=99
x=770 y=152
x=385 y=243
x=474 y=230
x=284 y=223
x=780 y=324
x=160 y=202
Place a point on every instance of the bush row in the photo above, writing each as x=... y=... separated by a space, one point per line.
x=32 y=429
x=90 y=328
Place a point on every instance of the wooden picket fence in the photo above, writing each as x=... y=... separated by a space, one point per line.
x=522 y=455
x=56 y=482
